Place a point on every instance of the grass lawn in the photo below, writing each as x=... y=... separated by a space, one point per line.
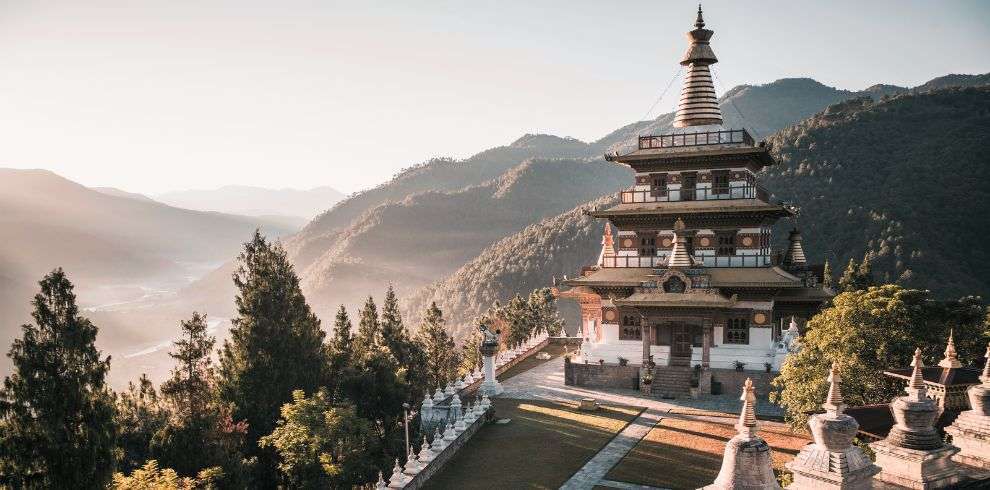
x=680 y=453
x=543 y=445
x=555 y=350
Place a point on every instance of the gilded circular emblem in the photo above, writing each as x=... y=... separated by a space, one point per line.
x=627 y=242
x=747 y=241
x=665 y=242
x=705 y=241
x=760 y=318
x=610 y=315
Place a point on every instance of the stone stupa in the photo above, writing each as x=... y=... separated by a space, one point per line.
x=832 y=461
x=971 y=430
x=913 y=455
x=747 y=462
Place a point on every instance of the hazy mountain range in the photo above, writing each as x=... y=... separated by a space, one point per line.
x=468 y=232
x=296 y=205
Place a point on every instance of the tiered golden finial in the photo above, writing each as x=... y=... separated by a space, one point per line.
x=679 y=256
x=916 y=386
x=747 y=417
x=833 y=402
x=698 y=105
x=951 y=359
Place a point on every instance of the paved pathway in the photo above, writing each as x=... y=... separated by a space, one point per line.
x=597 y=467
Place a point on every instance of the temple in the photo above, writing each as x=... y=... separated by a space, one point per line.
x=688 y=275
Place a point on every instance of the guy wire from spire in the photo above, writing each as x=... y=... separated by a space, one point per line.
x=671 y=82
x=724 y=92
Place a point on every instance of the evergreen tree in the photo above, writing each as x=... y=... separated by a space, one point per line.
x=408 y=353
x=543 y=308
x=275 y=347
x=342 y=342
x=441 y=355
x=392 y=330
x=140 y=415
x=190 y=388
x=369 y=327
x=56 y=413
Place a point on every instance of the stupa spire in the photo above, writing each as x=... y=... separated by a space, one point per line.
x=698 y=105
x=833 y=402
x=916 y=386
x=747 y=417
x=795 y=259
x=608 y=245
x=986 y=367
x=951 y=359
x=679 y=256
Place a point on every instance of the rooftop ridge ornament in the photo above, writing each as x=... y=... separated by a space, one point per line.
x=951 y=359
x=679 y=256
x=833 y=402
x=698 y=105
x=916 y=386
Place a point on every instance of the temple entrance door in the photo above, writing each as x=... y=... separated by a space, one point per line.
x=680 y=344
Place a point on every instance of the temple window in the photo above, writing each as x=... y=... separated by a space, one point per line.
x=726 y=241
x=630 y=333
x=688 y=182
x=647 y=246
x=720 y=181
x=658 y=184
x=737 y=331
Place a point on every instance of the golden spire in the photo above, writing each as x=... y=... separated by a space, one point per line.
x=833 y=402
x=951 y=359
x=608 y=246
x=747 y=417
x=698 y=105
x=679 y=256
x=916 y=386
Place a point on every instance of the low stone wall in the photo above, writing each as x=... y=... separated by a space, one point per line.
x=448 y=452
x=732 y=380
x=566 y=341
x=601 y=375
x=608 y=375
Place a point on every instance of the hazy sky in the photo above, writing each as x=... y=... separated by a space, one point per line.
x=155 y=96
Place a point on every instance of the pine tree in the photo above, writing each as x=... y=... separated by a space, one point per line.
x=56 y=413
x=275 y=347
x=849 y=278
x=441 y=356
x=369 y=328
x=392 y=331
x=342 y=342
x=190 y=389
x=543 y=308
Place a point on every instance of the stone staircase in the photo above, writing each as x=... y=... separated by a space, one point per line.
x=671 y=382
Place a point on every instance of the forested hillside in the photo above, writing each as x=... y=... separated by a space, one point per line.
x=903 y=179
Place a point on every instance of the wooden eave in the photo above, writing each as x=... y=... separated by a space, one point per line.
x=697 y=158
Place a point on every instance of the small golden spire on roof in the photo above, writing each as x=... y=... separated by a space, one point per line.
x=951 y=359
x=701 y=21
x=833 y=402
x=679 y=256
x=747 y=417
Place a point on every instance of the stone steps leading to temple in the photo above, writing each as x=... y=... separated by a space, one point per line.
x=671 y=382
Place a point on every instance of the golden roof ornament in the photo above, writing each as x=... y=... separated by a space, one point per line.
x=951 y=359
x=916 y=386
x=747 y=417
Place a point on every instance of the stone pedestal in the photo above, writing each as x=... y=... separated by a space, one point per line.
x=490 y=386
x=914 y=468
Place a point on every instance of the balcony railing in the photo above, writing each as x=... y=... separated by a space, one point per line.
x=653 y=262
x=752 y=191
x=633 y=261
x=737 y=136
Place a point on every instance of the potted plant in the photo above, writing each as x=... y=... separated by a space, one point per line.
x=739 y=365
x=623 y=361
x=648 y=377
x=768 y=366
x=695 y=380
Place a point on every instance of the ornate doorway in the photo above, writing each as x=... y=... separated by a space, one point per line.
x=680 y=344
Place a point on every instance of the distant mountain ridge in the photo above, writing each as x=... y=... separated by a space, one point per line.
x=256 y=201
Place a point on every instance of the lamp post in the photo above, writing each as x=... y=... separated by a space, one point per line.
x=405 y=421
